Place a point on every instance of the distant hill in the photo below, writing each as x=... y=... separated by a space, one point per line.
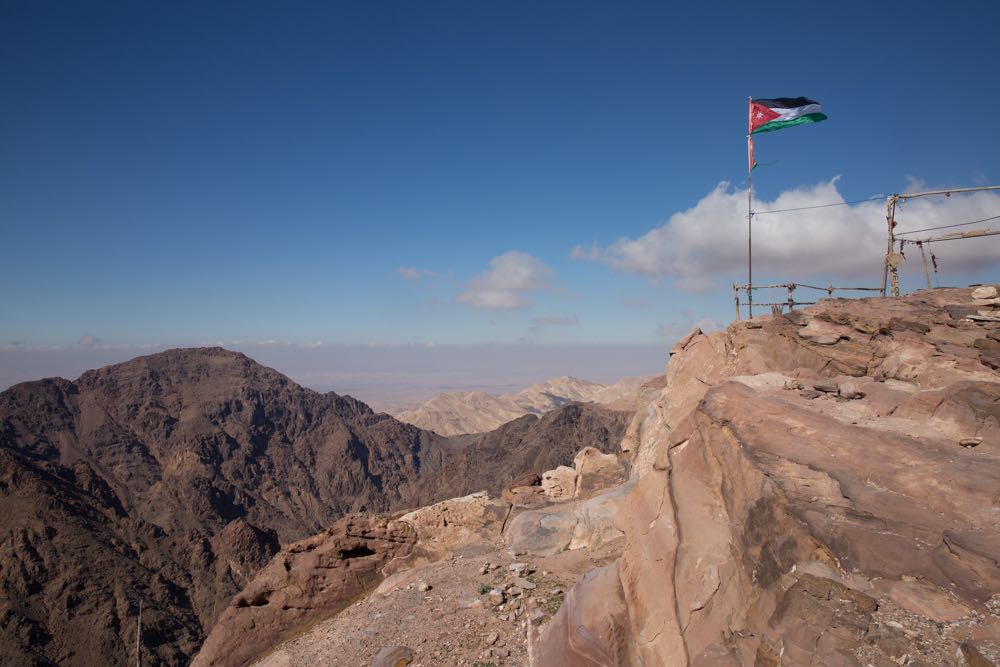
x=171 y=479
x=478 y=412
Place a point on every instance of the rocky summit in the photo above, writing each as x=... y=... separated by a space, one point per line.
x=169 y=481
x=819 y=488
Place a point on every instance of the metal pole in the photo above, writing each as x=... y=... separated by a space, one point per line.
x=923 y=255
x=890 y=213
x=749 y=208
x=911 y=195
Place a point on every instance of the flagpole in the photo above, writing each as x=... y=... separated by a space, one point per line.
x=749 y=210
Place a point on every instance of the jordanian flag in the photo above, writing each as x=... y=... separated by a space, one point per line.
x=782 y=112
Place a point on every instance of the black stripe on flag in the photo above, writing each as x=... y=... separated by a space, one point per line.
x=786 y=102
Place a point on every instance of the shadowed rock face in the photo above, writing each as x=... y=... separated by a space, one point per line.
x=531 y=444
x=170 y=480
x=789 y=526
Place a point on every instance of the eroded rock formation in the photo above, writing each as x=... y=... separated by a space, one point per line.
x=814 y=489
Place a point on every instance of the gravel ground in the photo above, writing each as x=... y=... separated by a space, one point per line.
x=470 y=610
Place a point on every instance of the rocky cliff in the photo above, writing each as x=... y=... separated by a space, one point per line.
x=819 y=488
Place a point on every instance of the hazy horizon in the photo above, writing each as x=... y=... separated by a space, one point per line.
x=387 y=377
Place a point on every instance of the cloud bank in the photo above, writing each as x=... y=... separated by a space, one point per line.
x=507 y=283
x=706 y=245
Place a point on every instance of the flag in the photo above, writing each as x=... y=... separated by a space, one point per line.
x=751 y=162
x=782 y=112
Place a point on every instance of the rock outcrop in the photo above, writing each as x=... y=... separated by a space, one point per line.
x=814 y=489
x=305 y=582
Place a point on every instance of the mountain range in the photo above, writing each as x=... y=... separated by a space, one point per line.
x=477 y=411
x=168 y=481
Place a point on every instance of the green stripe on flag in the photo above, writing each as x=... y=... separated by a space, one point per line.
x=782 y=124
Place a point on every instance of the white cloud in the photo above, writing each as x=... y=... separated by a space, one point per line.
x=505 y=285
x=707 y=244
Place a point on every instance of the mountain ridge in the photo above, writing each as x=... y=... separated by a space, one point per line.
x=170 y=480
x=457 y=413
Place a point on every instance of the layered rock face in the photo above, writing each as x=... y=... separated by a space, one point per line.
x=814 y=489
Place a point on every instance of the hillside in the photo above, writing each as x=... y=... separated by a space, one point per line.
x=478 y=412
x=170 y=480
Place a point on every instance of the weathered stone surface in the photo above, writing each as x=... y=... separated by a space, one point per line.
x=764 y=517
x=984 y=292
x=306 y=581
x=452 y=525
x=393 y=656
x=596 y=472
x=559 y=484
x=588 y=628
x=579 y=524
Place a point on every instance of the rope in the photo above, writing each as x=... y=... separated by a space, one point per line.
x=806 y=208
x=960 y=224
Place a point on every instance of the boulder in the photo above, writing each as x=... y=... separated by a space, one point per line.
x=579 y=524
x=559 y=484
x=306 y=581
x=596 y=472
x=984 y=292
x=458 y=523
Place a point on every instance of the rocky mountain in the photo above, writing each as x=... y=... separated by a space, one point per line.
x=478 y=412
x=168 y=481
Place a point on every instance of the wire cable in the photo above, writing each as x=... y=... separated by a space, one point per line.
x=960 y=224
x=806 y=208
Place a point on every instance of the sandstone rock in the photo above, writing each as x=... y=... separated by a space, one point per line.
x=446 y=527
x=984 y=292
x=589 y=523
x=559 y=484
x=850 y=390
x=735 y=484
x=925 y=599
x=393 y=656
x=683 y=342
x=827 y=387
x=423 y=587
x=306 y=581
x=524 y=583
x=596 y=472
x=587 y=629
x=823 y=333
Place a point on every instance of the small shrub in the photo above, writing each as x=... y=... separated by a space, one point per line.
x=484 y=589
x=553 y=604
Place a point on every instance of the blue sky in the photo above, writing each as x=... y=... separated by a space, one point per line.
x=345 y=173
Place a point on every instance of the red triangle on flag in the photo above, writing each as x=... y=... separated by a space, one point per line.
x=760 y=115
